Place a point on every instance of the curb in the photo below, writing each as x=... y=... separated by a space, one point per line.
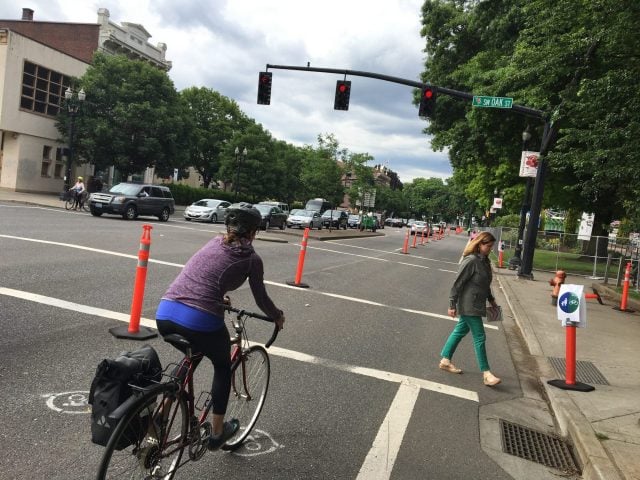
x=572 y=424
x=596 y=464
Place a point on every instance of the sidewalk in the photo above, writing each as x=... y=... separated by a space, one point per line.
x=603 y=425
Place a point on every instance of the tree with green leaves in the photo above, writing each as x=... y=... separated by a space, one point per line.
x=576 y=60
x=215 y=120
x=132 y=118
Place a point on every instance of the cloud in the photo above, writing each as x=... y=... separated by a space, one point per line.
x=224 y=44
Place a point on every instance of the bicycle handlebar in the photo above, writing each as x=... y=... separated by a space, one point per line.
x=259 y=316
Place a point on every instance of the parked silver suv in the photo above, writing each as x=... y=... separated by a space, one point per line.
x=133 y=199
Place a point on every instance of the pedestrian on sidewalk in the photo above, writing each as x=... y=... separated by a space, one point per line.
x=468 y=298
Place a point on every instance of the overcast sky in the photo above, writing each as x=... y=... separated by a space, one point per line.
x=223 y=45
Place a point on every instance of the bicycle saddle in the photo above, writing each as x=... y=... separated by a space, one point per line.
x=177 y=341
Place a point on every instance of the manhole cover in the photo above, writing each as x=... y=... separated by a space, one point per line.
x=586 y=372
x=537 y=447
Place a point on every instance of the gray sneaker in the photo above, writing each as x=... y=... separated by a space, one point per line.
x=229 y=429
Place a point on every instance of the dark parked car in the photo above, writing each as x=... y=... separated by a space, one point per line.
x=133 y=199
x=272 y=217
x=207 y=210
x=394 y=222
x=335 y=219
x=353 y=221
x=281 y=205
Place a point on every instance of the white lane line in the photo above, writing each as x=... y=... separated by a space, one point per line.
x=376 y=304
x=378 y=374
x=395 y=252
x=379 y=462
x=76 y=307
x=282 y=285
x=90 y=249
x=291 y=354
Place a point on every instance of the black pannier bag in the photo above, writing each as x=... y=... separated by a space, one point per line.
x=111 y=394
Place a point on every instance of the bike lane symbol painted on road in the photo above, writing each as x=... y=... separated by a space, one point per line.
x=258 y=443
x=68 y=402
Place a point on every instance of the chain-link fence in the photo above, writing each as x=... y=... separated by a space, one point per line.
x=600 y=258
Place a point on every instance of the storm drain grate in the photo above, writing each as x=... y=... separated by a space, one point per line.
x=586 y=372
x=537 y=447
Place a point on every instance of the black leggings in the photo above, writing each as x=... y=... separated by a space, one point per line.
x=216 y=346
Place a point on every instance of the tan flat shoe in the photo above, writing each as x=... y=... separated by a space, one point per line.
x=490 y=380
x=449 y=367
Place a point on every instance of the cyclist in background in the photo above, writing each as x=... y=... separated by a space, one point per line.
x=78 y=190
x=193 y=306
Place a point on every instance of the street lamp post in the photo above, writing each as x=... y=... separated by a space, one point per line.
x=515 y=261
x=73 y=107
x=238 y=161
x=529 y=239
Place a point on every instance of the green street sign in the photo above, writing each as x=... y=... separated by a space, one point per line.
x=492 y=102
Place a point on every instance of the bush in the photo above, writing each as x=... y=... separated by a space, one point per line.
x=511 y=220
x=185 y=195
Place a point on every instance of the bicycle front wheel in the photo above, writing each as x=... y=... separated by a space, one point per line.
x=149 y=440
x=68 y=204
x=249 y=385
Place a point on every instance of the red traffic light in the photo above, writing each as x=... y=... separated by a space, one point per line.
x=427 y=102
x=264 y=88
x=343 y=92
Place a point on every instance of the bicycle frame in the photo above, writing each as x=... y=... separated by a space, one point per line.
x=183 y=378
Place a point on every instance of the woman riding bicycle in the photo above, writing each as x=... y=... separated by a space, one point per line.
x=193 y=306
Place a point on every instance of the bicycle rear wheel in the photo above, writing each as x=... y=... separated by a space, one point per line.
x=140 y=447
x=249 y=385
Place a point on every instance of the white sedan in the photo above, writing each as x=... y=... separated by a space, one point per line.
x=207 y=210
x=304 y=218
x=418 y=226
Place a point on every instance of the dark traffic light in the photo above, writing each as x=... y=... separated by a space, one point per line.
x=427 y=102
x=264 y=88
x=343 y=91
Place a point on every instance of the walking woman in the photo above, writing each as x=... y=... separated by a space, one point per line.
x=468 y=299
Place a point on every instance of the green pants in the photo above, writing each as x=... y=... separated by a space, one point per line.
x=466 y=323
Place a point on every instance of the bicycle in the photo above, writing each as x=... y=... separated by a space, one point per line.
x=163 y=420
x=70 y=200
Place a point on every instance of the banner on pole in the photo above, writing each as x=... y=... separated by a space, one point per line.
x=529 y=164
x=586 y=226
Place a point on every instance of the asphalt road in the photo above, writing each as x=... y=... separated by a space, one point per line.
x=355 y=390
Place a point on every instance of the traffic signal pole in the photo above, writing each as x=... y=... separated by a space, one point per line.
x=532 y=112
x=550 y=131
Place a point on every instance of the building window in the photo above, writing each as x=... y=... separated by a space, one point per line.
x=42 y=89
x=46 y=161
x=58 y=168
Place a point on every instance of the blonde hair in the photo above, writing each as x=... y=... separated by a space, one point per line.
x=474 y=245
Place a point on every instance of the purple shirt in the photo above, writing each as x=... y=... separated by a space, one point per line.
x=216 y=269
